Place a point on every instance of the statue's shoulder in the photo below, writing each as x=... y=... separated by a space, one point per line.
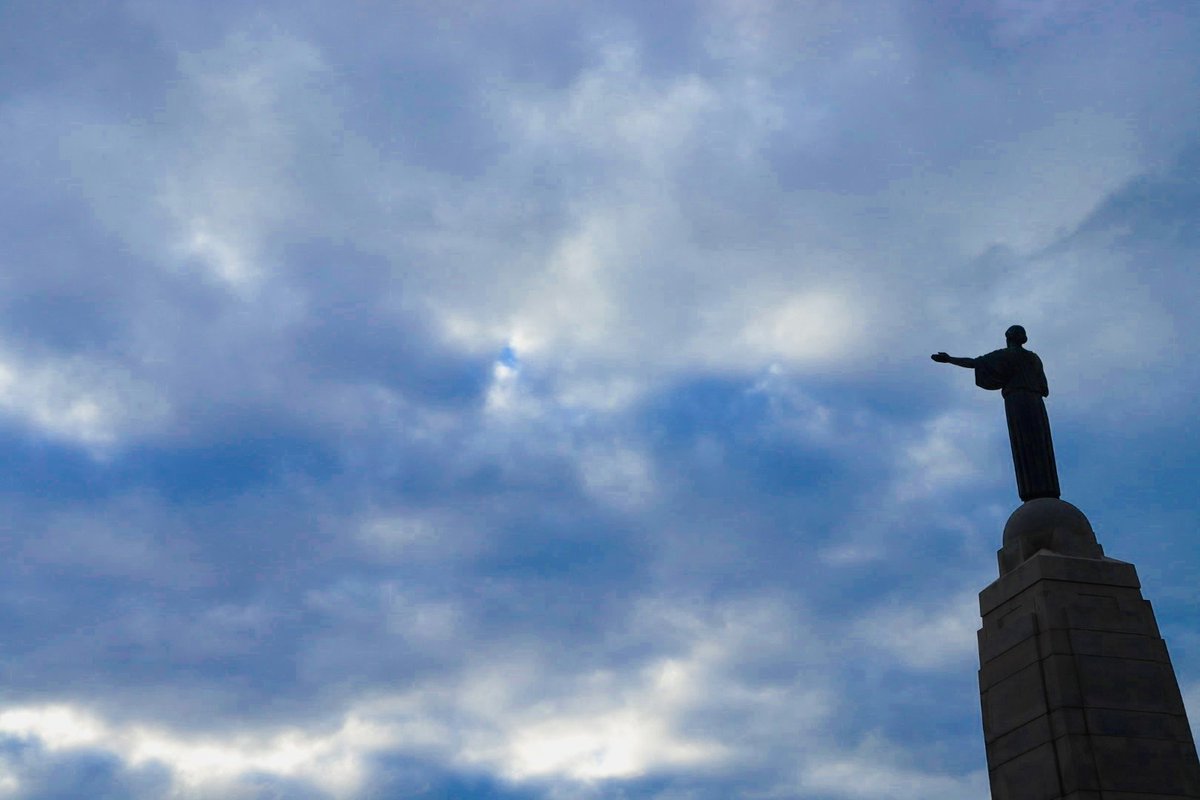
x=1002 y=354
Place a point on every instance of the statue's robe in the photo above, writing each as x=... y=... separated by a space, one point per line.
x=1018 y=374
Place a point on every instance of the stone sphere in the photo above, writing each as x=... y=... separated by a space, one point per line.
x=1048 y=523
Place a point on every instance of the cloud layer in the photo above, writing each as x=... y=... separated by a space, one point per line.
x=452 y=401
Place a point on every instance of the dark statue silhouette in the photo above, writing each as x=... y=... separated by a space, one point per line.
x=1019 y=376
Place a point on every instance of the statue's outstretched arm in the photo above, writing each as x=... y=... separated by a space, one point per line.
x=942 y=358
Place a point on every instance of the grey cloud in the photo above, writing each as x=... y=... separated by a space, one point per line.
x=718 y=243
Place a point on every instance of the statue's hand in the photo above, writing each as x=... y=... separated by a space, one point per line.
x=941 y=358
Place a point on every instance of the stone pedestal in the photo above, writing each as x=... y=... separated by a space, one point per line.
x=1079 y=698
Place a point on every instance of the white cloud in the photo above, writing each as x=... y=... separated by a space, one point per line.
x=872 y=775
x=613 y=728
x=624 y=290
x=817 y=326
x=920 y=637
x=790 y=200
x=617 y=474
x=513 y=713
x=949 y=453
x=231 y=187
x=332 y=761
x=644 y=120
x=794 y=413
x=503 y=394
x=1027 y=190
x=657 y=716
x=1191 y=701
x=82 y=400
x=851 y=553
x=419 y=535
x=130 y=538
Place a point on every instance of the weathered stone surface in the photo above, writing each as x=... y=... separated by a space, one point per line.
x=1125 y=684
x=1106 y=572
x=1122 y=722
x=1032 y=775
x=1137 y=764
x=1078 y=695
x=1013 y=702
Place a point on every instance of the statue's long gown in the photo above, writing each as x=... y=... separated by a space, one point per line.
x=1018 y=373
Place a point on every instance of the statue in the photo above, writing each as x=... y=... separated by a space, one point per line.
x=1019 y=376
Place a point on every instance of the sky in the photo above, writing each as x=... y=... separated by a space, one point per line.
x=532 y=400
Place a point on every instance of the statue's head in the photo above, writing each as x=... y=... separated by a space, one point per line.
x=1015 y=335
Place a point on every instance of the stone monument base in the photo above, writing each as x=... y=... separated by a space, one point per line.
x=1080 y=701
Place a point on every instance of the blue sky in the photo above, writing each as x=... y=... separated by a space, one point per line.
x=533 y=400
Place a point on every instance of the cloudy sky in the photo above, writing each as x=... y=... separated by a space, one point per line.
x=532 y=400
